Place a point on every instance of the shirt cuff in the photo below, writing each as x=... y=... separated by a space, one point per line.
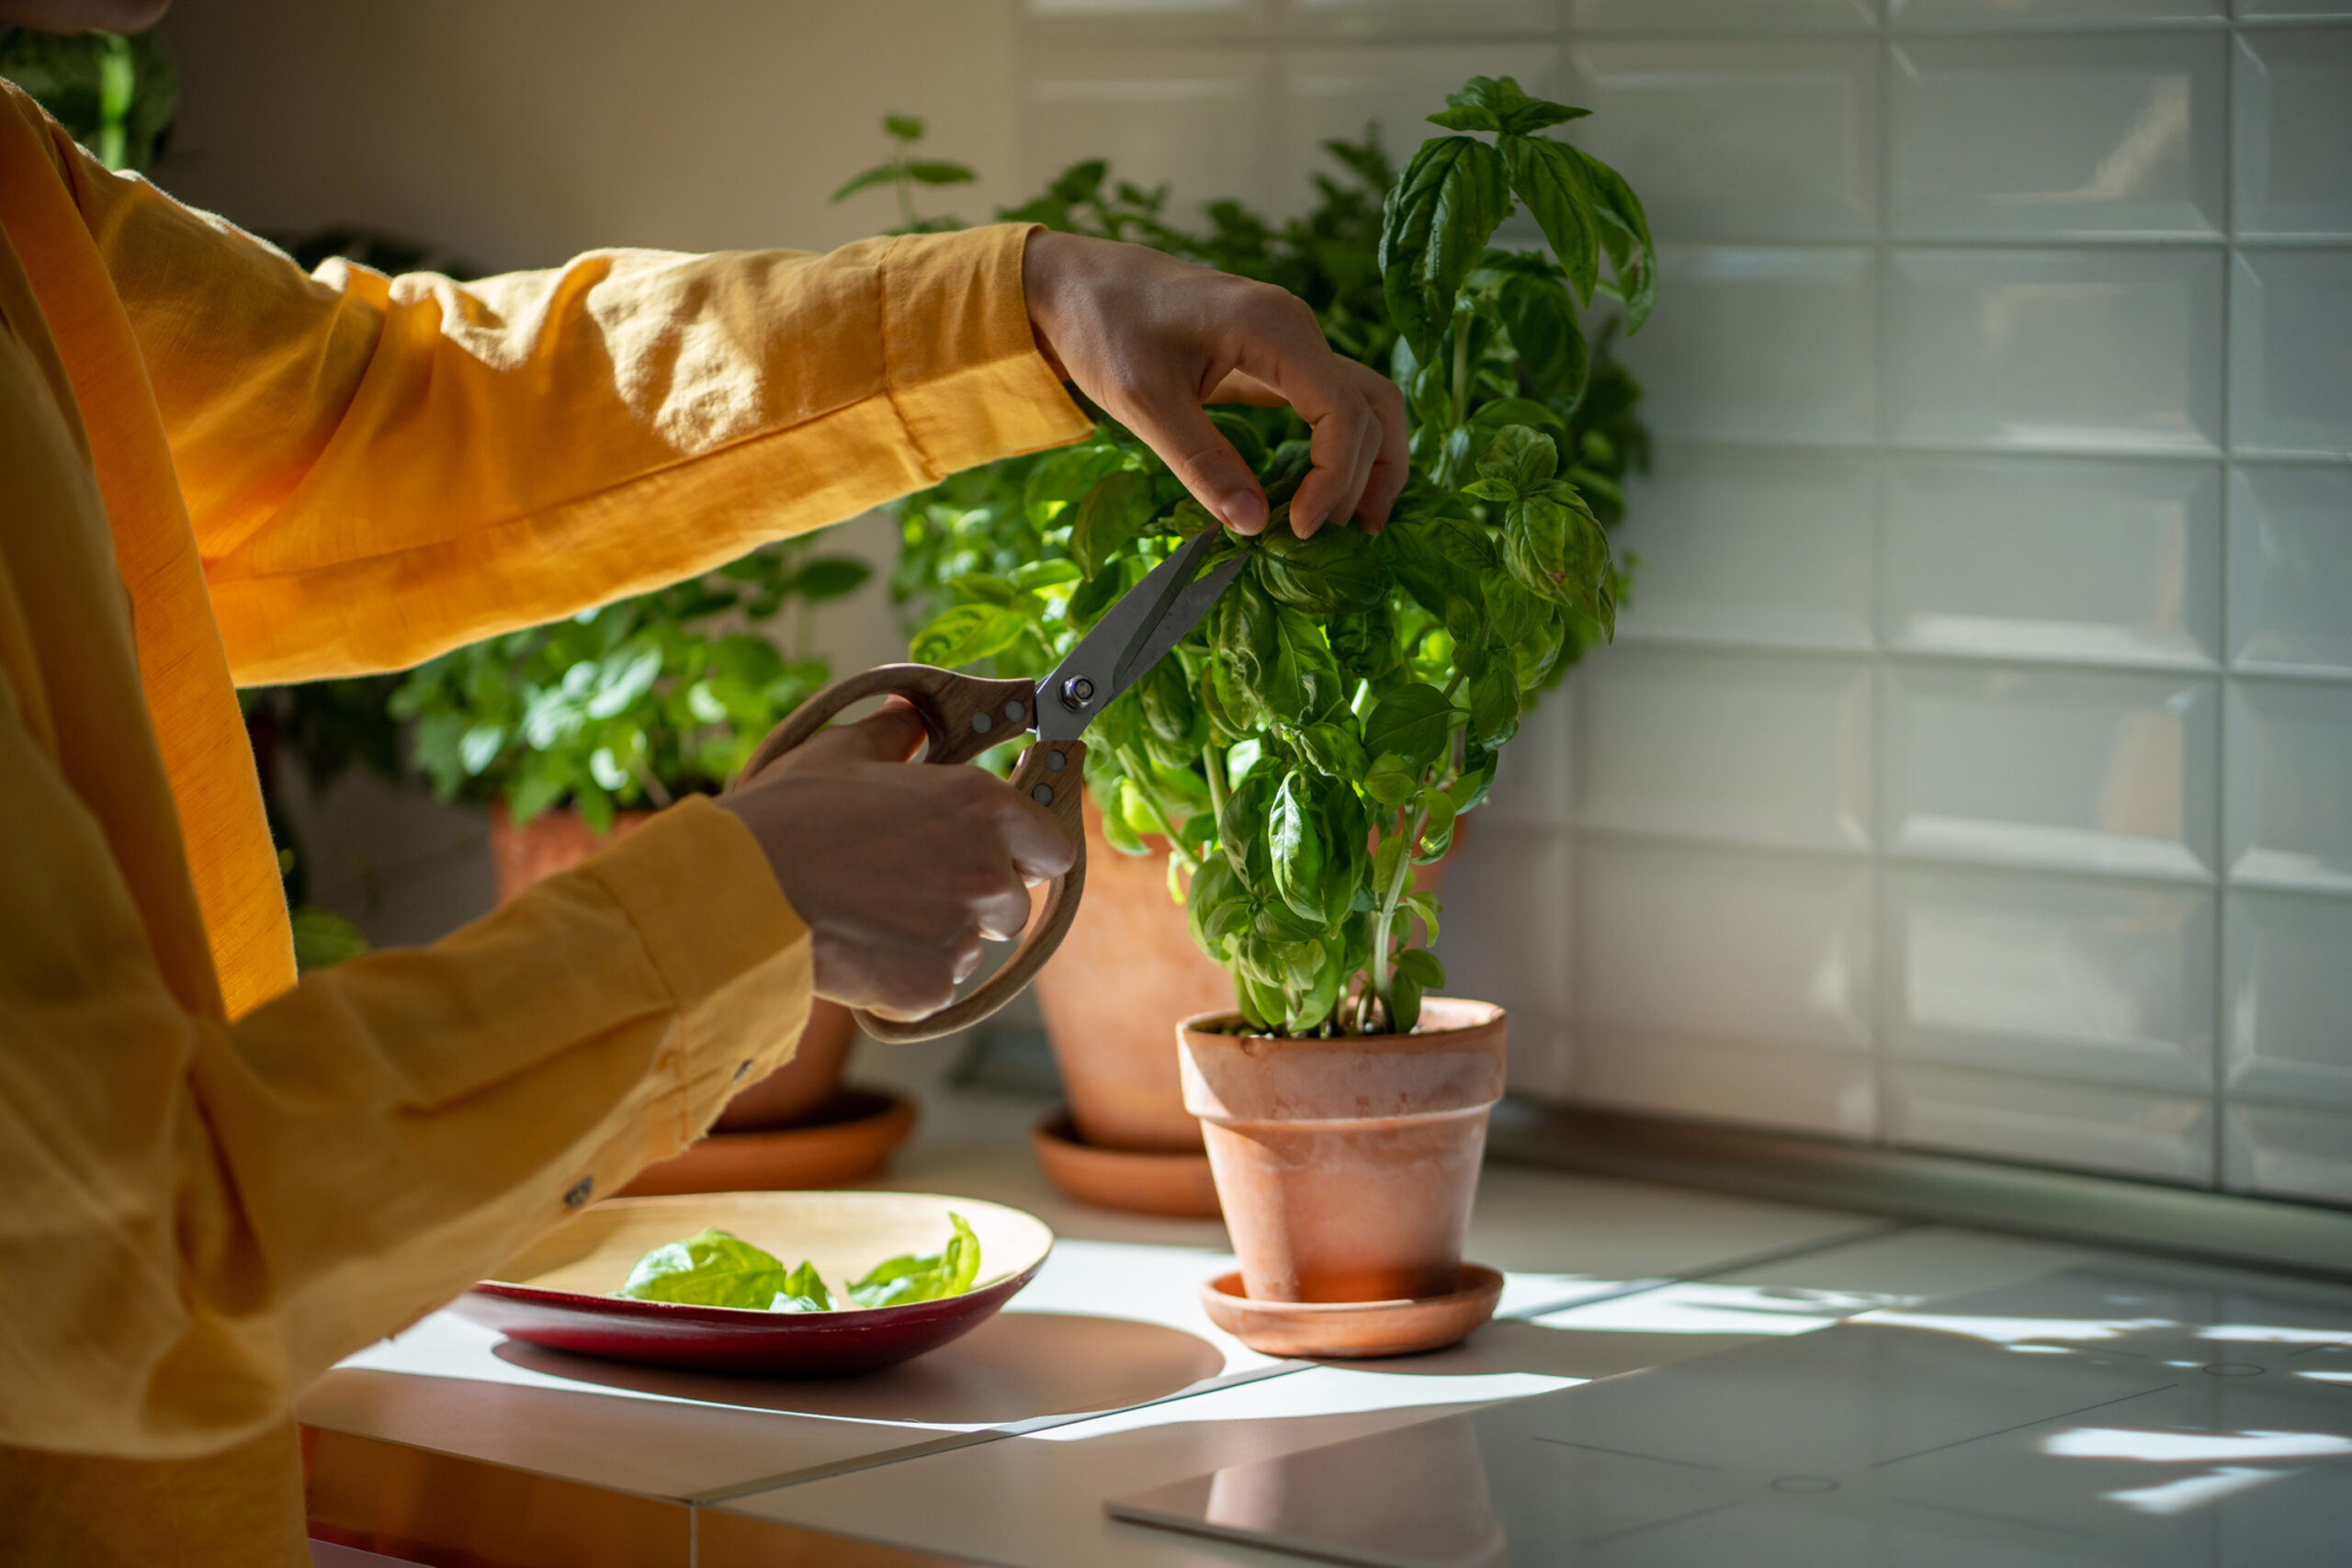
x=960 y=359
x=697 y=887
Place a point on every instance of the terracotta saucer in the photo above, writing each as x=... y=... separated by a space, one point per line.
x=1347 y=1330
x=848 y=1138
x=1139 y=1181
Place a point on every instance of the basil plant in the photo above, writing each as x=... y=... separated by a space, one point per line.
x=1324 y=729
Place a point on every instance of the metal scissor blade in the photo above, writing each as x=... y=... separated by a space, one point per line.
x=1183 y=616
x=1105 y=662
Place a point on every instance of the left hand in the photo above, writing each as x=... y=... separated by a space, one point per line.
x=1151 y=339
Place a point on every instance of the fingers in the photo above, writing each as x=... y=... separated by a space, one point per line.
x=1177 y=429
x=1040 y=846
x=892 y=733
x=1390 y=463
x=1283 y=348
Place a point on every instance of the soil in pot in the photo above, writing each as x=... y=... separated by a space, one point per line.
x=1347 y=1168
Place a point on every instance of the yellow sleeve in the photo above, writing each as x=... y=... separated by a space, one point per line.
x=379 y=469
x=200 y=1216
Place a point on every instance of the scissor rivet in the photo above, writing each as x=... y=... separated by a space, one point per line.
x=1015 y=712
x=1043 y=795
x=1055 y=762
x=980 y=722
x=1077 y=692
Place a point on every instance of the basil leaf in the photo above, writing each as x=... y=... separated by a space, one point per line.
x=1493 y=705
x=1522 y=458
x=1244 y=634
x=1333 y=748
x=1404 y=1003
x=1338 y=568
x=1296 y=842
x=1452 y=195
x=1625 y=231
x=1549 y=176
x=1391 y=779
x=1542 y=323
x=1486 y=103
x=1060 y=478
x=1112 y=514
x=1436 y=556
x=1305 y=684
x=802 y=1291
x=1365 y=641
x=1290 y=463
x=713 y=1269
x=907 y=1278
x=1413 y=721
x=1424 y=967
x=968 y=634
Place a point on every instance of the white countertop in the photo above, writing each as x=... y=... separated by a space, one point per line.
x=1103 y=1376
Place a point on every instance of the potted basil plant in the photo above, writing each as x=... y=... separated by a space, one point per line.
x=995 y=561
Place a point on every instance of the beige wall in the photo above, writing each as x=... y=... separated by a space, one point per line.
x=521 y=131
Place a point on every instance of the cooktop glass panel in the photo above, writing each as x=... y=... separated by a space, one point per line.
x=2092 y=1416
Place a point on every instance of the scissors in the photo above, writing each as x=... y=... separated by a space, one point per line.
x=964 y=716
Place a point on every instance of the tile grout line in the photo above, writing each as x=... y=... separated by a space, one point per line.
x=1883 y=963
x=2218 y=1117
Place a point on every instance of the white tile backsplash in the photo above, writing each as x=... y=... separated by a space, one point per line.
x=2039 y=138
x=2292 y=146
x=2122 y=1132
x=2105 y=349
x=1754 y=748
x=2287 y=1152
x=2290 y=353
x=1975 y=770
x=2290 y=568
x=2103 y=981
x=1677 y=118
x=1752 y=544
x=2286 y=1008
x=2082 y=770
x=2287 y=817
x=1988 y=15
x=2054 y=557
x=1833 y=1093
x=1764 y=344
x=1788 y=939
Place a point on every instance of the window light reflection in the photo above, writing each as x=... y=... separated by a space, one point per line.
x=2192 y=1448
x=2018 y=1330
x=2193 y=1491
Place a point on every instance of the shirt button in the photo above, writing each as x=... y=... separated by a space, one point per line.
x=580 y=1192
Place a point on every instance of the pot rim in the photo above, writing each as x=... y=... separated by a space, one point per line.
x=1494 y=1014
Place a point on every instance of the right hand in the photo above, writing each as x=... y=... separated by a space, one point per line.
x=899 y=871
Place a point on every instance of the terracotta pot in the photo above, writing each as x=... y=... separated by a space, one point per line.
x=555 y=841
x=1347 y=1168
x=1126 y=973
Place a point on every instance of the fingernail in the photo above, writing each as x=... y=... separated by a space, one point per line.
x=1304 y=523
x=1244 y=511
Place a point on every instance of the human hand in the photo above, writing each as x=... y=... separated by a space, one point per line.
x=900 y=870
x=1151 y=338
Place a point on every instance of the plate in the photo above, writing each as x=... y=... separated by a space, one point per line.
x=557 y=1293
x=1139 y=1181
x=1347 y=1330
x=846 y=1139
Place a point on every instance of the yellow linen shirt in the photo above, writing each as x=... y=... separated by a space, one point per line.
x=215 y=1181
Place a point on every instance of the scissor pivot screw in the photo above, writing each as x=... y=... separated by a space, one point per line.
x=1077 y=692
x=1043 y=795
x=980 y=724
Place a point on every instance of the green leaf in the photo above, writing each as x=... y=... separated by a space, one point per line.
x=1404 y=1003
x=324 y=939
x=1452 y=195
x=479 y=746
x=1437 y=556
x=1549 y=176
x=1424 y=967
x=1245 y=633
x=802 y=1291
x=1298 y=848
x=1522 y=458
x=1235 y=428
x=1391 y=779
x=1306 y=684
x=1334 y=750
x=1060 y=478
x=1625 y=231
x=1542 y=323
x=905 y=126
x=1365 y=641
x=1168 y=705
x=1485 y=103
x=932 y=174
x=1114 y=512
x=967 y=634
x=830 y=577
x=881 y=175
x=948 y=1272
x=1338 y=568
x=1385 y=861
x=1493 y=705
x=713 y=1269
x=1413 y=721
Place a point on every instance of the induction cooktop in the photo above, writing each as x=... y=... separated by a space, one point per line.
x=2130 y=1415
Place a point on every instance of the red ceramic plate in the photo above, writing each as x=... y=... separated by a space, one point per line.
x=558 y=1293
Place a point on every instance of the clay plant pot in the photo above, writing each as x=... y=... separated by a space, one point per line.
x=1127 y=971
x=555 y=841
x=1347 y=1168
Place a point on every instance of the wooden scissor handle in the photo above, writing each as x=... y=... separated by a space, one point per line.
x=964 y=716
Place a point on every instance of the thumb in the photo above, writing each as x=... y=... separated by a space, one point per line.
x=1206 y=461
x=892 y=733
